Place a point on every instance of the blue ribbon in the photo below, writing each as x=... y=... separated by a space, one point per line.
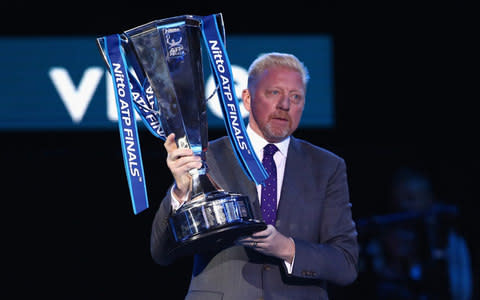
x=126 y=122
x=147 y=106
x=232 y=117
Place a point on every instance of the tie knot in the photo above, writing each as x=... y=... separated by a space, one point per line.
x=269 y=149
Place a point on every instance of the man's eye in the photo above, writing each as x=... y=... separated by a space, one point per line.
x=296 y=98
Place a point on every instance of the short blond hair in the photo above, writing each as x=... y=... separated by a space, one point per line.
x=268 y=60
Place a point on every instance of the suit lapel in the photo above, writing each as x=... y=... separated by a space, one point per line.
x=227 y=172
x=289 y=192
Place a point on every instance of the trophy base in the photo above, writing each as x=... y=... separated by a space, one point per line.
x=212 y=223
x=216 y=239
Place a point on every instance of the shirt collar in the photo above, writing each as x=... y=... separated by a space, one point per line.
x=258 y=143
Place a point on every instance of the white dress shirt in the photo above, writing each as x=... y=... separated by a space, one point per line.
x=280 y=157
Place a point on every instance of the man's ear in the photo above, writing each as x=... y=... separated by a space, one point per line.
x=246 y=99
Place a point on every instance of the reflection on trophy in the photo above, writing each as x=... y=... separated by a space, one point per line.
x=168 y=53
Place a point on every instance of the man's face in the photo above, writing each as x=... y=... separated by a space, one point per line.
x=276 y=104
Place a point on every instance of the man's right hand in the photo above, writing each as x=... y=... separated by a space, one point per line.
x=180 y=161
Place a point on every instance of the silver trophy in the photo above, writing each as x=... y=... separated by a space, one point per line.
x=168 y=53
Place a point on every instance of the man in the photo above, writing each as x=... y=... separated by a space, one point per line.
x=422 y=252
x=312 y=239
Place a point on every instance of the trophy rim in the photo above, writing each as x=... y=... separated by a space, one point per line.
x=194 y=20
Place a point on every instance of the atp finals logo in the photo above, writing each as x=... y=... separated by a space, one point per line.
x=173 y=38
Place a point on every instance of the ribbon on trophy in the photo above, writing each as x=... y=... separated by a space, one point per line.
x=220 y=65
x=133 y=91
x=132 y=155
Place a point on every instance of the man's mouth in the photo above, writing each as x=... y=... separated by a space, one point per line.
x=280 y=119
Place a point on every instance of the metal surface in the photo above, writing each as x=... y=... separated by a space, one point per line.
x=213 y=222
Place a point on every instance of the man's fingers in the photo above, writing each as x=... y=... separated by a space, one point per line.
x=170 y=144
x=187 y=166
x=178 y=153
x=173 y=151
x=264 y=233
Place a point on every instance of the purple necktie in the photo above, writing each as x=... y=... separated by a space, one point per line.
x=269 y=188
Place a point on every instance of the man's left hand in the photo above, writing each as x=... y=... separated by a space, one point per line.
x=270 y=242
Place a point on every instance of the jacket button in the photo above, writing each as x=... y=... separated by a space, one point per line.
x=266 y=267
x=308 y=273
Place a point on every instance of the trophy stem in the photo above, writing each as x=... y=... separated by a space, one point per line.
x=202 y=184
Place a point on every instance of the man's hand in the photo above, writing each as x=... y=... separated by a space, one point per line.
x=180 y=161
x=270 y=242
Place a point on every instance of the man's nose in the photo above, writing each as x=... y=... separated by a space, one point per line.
x=284 y=103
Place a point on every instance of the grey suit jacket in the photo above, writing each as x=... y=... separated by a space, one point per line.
x=314 y=210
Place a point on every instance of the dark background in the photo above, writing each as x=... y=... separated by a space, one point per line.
x=404 y=96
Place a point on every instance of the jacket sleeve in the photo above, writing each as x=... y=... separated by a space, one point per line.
x=161 y=239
